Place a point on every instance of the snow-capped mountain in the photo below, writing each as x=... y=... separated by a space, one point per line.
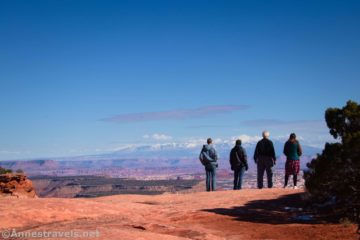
x=192 y=150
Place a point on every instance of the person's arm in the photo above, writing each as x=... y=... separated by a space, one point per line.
x=215 y=155
x=245 y=159
x=256 y=152
x=285 y=149
x=273 y=152
x=230 y=158
x=208 y=157
x=299 y=149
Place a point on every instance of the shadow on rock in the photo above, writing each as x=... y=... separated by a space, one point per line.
x=284 y=210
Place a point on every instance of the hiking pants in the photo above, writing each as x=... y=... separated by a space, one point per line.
x=264 y=164
x=210 y=178
x=238 y=177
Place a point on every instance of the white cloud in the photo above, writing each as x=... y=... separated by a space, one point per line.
x=9 y=152
x=157 y=136
x=161 y=137
x=198 y=142
x=217 y=141
x=175 y=114
x=124 y=147
x=246 y=138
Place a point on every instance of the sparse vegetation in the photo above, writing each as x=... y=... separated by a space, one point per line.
x=20 y=171
x=334 y=176
x=5 y=171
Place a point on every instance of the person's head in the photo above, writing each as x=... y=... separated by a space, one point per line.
x=238 y=142
x=265 y=134
x=292 y=136
x=209 y=141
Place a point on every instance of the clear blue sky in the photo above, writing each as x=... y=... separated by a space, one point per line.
x=83 y=77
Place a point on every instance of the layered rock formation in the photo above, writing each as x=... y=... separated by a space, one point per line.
x=17 y=186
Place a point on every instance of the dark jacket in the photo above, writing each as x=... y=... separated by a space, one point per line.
x=238 y=157
x=264 y=148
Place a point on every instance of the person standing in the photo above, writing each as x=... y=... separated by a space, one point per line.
x=264 y=157
x=208 y=157
x=239 y=164
x=292 y=151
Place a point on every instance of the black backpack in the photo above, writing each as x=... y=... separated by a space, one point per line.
x=235 y=158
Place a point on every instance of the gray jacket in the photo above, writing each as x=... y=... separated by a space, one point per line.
x=210 y=153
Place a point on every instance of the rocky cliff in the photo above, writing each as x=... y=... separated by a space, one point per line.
x=17 y=186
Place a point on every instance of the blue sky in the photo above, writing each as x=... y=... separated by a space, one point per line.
x=85 y=77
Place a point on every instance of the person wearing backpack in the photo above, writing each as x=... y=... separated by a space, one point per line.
x=208 y=157
x=239 y=164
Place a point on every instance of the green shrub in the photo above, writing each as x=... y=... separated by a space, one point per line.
x=4 y=170
x=20 y=171
x=335 y=174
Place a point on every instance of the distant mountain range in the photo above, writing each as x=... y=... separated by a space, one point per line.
x=181 y=150
x=191 y=151
x=160 y=156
